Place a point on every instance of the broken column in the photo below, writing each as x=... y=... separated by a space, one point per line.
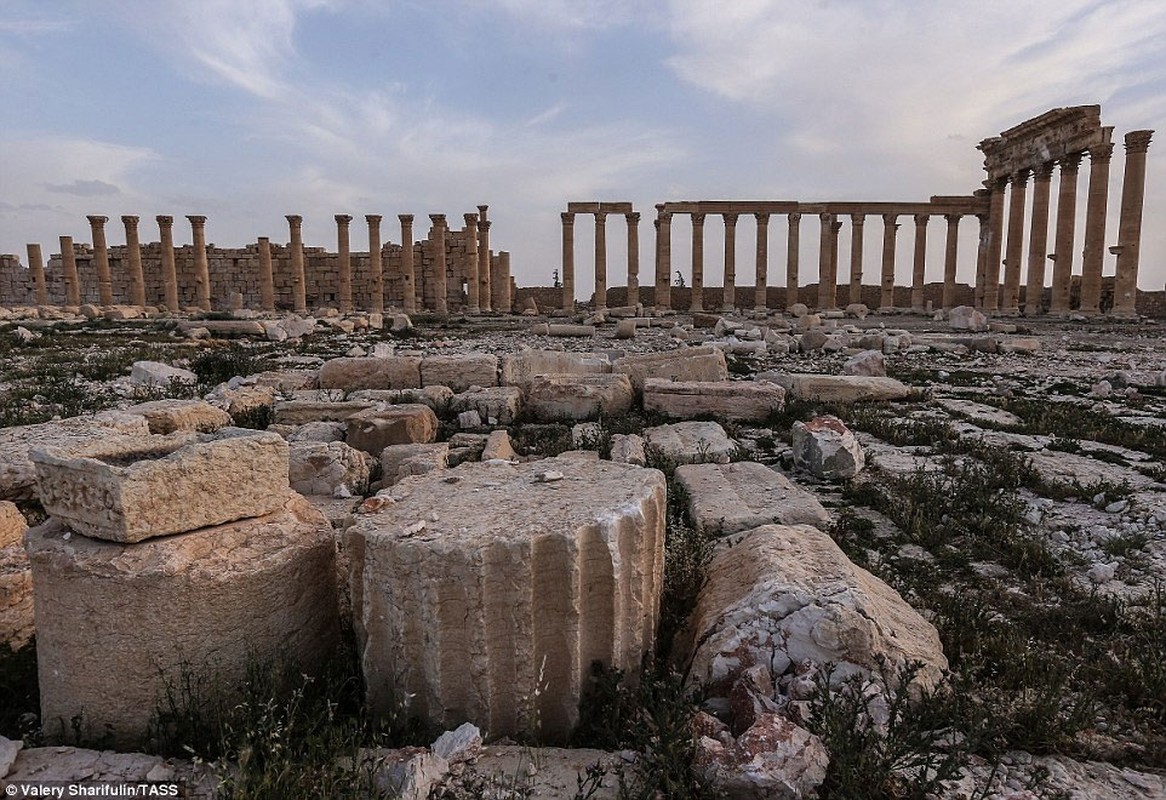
x=169 y=268
x=36 y=267
x=266 y=276
x=375 y=266
x=500 y=285
x=344 y=257
x=296 y=249
x=69 y=270
x=202 y=275
x=1066 y=220
x=101 y=260
x=1038 y=239
x=473 y=303
x=134 y=261
x=1129 y=232
x=498 y=622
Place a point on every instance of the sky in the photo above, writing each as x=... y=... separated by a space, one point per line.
x=247 y=110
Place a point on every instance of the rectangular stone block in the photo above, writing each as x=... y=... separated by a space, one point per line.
x=394 y=372
x=377 y=428
x=519 y=369
x=838 y=388
x=301 y=412
x=738 y=400
x=460 y=372
x=578 y=397
x=169 y=416
x=685 y=364
x=155 y=486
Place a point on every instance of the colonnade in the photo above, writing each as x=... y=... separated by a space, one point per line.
x=600 y=212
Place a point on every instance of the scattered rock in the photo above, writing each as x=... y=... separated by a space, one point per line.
x=827 y=449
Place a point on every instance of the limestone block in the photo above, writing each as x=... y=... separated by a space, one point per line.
x=328 y=468
x=153 y=486
x=826 y=448
x=154 y=373
x=402 y=460
x=869 y=363
x=690 y=443
x=520 y=368
x=498 y=405
x=168 y=416
x=498 y=445
x=485 y=593
x=561 y=329
x=225 y=327
x=301 y=412
x=838 y=388
x=438 y=398
x=728 y=498
x=739 y=400
x=288 y=380
x=812 y=339
x=460 y=372
x=376 y=428
x=781 y=595
x=628 y=449
x=774 y=758
x=966 y=318
x=17 y=472
x=577 y=397
x=316 y=432
x=16 y=623
x=349 y=374
x=115 y=622
x=685 y=364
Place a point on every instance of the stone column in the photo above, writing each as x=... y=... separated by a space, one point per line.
x=792 y=249
x=857 y=221
x=473 y=302
x=824 y=279
x=69 y=272
x=266 y=276
x=201 y=268
x=1066 y=220
x=919 y=264
x=344 y=259
x=500 y=283
x=1038 y=236
x=995 y=244
x=568 y=277
x=101 y=260
x=729 y=292
x=485 y=300
x=440 y=300
x=600 y=260
x=890 y=232
x=985 y=234
x=663 y=299
x=1010 y=303
x=1095 y=211
x=697 y=303
x=761 y=271
x=1129 y=232
x=375 y=265
x=296 y=249
x=134 y=261
x=633 y=225
x=408 y=276
x=36 y=267
x=949 y=260
x=169 y=268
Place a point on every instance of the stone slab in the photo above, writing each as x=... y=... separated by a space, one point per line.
x=685 y=364
x=376 y=428
x=169 y=416
x=737 y=400
x=690 y=443
x=729 y=498
x=838 y=388
x=578 y=397
x=393 y=372
x=460 y=372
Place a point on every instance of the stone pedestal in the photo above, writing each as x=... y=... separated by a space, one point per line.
x=169 y=268
x=633 y=223
x=1038 y=241
x=1129 y=232
x=134 y=261
x=296 y=250
x=697 y=291
x=568 y=276
x=951 y=246
x=344 y=262
x=489 y=604
x=887 y=285
x=36 y=268
x=761 y=270
x=792 y=250
x=69 y=272
x=116 y=624
x=856 y=232
x=408 y=270
x=1066 y=222
x=729 y=293
x=375 y=265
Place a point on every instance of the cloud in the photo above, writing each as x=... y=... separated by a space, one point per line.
x=82 y=188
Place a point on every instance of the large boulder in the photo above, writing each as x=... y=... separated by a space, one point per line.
x=782 y=595
x=966 y=318
x=158 y=485
x=578 y=397
x=737 y=400
x=729 y=498
x=685 y=364
x=394 y=372
x=827 y=449
x=202 y=604
x=16 y=622
x=485 y=593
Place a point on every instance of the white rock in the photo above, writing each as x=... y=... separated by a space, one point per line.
x=827 y=449
x=154 y=373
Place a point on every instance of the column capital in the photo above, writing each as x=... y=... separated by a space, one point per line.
x=343 y=219
x=730 y=218
x=921 y=220
x=953 y=219
x=436 y=219
x=1045 y=171
x=697 y=217
x=262 y=240
x=633 y=218
x=1070 y=162
x=568 y=217
x=130 y=219
x=484 y=224
x=471 y=219
x=165 y=220
x=196 y=219
x=406 y=219
x=890 y=219
x=482 y=209
x=1138 y=141
x=827 y=217
x=372 y=219
x=95 y=219
x=794 y=217
x=1101 y=152
x=1020 y=177
x=293 y=219
x=857 y=220
x=600 y=217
